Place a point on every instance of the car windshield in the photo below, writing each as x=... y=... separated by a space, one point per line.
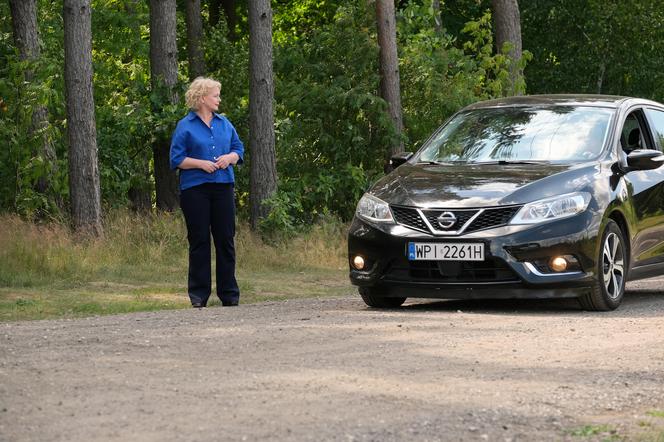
x=520 y=134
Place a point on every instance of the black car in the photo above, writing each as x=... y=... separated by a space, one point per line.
x=552 y=196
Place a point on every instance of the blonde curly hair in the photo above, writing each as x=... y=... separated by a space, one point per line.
x=198 y=88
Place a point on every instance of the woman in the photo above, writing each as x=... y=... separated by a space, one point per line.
x=205 y=147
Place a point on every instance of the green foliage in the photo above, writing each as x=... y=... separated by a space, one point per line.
x=333 y=131
x=595 y=46
x=332 y=128
x=437 y=78
x=25 y=86
x=493 y=69
x=126 y=123
x=295 y=19
x=607 y=432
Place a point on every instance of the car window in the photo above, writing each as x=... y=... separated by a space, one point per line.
x=634 y=134
x=657 y=120
x=547 y=133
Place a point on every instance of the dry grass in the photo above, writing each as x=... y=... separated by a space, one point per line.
x=140 y=264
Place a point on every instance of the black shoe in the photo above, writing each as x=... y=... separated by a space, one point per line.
x=230 y=303
x=197 y=305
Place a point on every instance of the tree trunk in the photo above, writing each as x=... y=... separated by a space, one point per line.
x=389 y=65
x=507 y=23
x=231 y=18
x=214 y=9
x=228 y=6
x=438 y=22
x=600 y=76
x=82 y=133
x=26 y=38
x=140 y=191
x=164 y=73
x=195 y=54
x=140 y=187
x=261 y=118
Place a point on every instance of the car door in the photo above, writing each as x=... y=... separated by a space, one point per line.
x=643 y=128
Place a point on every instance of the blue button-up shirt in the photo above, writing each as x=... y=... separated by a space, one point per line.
x=194 y=139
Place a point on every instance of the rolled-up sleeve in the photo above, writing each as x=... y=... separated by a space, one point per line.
x=178 y=146
x=236 y=145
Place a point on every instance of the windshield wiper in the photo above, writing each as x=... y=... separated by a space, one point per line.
x=501 y=162
x=442 y=163
x=435 y=163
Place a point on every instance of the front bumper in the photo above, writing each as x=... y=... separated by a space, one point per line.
x=507 y=272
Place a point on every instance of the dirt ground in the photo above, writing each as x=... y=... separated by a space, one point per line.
x=332 y=369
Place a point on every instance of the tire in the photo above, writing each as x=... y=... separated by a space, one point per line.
x=611 y=272
x=372 y=299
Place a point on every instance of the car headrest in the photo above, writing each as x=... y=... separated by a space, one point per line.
x=634 y=138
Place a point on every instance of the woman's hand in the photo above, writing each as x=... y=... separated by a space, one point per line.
x=229 y=159
x=194 y=163
x=208 y=166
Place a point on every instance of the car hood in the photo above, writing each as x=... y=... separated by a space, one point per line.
x=476 y=185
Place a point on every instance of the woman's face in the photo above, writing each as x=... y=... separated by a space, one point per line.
x=211 y=100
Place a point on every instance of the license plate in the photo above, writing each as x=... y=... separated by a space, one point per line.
x=458 y=251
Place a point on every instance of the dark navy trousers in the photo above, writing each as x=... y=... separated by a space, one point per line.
x=209 y=208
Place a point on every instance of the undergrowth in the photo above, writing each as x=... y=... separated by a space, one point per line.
x=141 y=264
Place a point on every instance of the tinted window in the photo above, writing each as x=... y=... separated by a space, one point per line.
x=561 y=133
x=657 y=119
x=634 y=133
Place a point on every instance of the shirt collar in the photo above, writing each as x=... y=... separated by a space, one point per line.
x=192 y=115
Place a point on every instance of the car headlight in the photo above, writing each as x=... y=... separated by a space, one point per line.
x=374 y=209
x=549 y=209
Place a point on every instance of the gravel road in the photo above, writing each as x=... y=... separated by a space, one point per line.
x=332 y=369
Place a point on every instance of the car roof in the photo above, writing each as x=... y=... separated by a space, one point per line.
x=612 y=101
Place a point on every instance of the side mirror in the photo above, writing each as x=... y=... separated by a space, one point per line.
x=645 y=159
x=397 y=160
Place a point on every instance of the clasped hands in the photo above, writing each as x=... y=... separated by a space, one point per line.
x=222 y=162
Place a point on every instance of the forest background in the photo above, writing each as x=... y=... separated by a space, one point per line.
x=333 y=132
x=331 y=125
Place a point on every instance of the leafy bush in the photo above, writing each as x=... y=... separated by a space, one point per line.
x=23 y=161
x=333 y=131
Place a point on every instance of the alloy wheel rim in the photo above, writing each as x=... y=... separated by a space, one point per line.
x=613 y=265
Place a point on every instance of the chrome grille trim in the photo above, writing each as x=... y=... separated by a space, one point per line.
x=449 y=232
x=417 y=219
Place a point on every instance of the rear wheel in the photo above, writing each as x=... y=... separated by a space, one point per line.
x=611 y=272
x=373 y=299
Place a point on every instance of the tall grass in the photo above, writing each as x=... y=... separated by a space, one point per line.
x=146 y=247
x=141 y=255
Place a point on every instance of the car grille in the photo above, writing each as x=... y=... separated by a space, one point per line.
x=484 y=218
x=409 y=217
x=462 y=217
x=489 y=270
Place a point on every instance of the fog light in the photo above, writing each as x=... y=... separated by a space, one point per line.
x=358 y=262
x=558 y=264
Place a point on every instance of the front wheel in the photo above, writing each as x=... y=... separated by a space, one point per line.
x=372 y=299
x=611 y=272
